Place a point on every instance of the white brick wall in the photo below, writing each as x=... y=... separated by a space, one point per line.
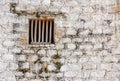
x=87 y=46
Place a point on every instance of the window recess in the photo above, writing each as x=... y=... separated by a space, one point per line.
x=41 y=30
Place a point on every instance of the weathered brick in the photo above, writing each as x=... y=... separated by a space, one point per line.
x=66 y=40
x=8 y=57
x=64 y=68
x=85 y=32
x=51 y=67
x=13 y=66
x=97 y=74
x=28 y=51
x=105 y=66
x=88 y=66
x=29 y=75
x=71 y=46
x=111 y=59
x=36 y=80
x=42 y=52
x=71 y=31
x=46 y=2
x=70 y=74
x=3 y=66
x=51 y=52
x=25 y=65
x=8 y=43
x=21 y=57
x=32 y=58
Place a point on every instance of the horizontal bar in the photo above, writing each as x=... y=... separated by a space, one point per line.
x=42 y=18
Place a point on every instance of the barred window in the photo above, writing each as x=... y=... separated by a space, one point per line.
x=41 y=30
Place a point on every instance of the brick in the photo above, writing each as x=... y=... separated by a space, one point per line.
x=97 y=31
x=70 y=74
x=74 y=67
x=13 y=66
x=105 y=66
x=59 y=46
x=65 y=9
x=36 y=80
x=89 y=66
x=64 y=68
x=23 y=79
x=16 y=50
x=78 y=40
x=85 y=32
x=104 y=52
x=19 y=74
x=97 y=74
x=116 y=67
x=95 y=59
x=8 y=43
x=28 y=51
x=86 y=47
x=71 y=60
x=66 y=40
x=86 y=74
x=83 y=60
x=71 y=46
x=36 y=67
x=116 y=51
x=8 y=57
x=46 y=2
x=59 y=75
x=71 y=31
x=98 y=46
x=3 y=66
x=42 y=52
x=21 y=57
x=32 y=58
x=51 y=52
x=111 y=59
x=88 y=25
x=45 y=59
x=80 y=74
x=25 y=65
x=88 y=9
x=78 y=79
x=3 y=50
x=51 y=67
x=78 y=53
x=29 y=75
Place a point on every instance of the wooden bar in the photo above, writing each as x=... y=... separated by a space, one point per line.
x=35 y=33
x=47 y=31
x=39 y=30
x=31 y=30
x=43 y=24
x=50 y=31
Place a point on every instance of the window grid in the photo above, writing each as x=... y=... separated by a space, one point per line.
x=41 y=30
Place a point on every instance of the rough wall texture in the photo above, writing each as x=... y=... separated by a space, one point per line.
x=87 y=41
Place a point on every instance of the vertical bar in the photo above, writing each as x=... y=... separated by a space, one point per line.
x=47 y=30
x=35 y=33
x=50 y=31
x=53 y=31
x=32 y=30
x=39 y=30
x=43 y=31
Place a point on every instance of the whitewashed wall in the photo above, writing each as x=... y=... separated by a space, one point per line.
x=87 y=42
